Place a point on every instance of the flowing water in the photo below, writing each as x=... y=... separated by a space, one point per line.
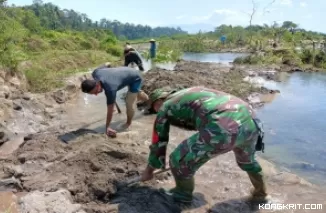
x=294 y=121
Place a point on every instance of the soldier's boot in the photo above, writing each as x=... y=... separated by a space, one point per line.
x=183 y=192
x=259 y=193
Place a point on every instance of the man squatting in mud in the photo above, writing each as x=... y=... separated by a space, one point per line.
x=111 y=80
x=224 y=123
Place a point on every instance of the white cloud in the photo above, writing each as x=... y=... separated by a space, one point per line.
x=286 y=2
x=201 y=18
x=303 y=4
x=180 y=17
x=234 y=17
x=225 y=13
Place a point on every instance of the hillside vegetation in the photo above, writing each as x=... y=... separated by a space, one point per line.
x=47 y=43
x=276 y=44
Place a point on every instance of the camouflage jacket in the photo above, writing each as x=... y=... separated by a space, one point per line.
x=192 y=108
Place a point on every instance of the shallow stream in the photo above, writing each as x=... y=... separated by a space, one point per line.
x=294 y=121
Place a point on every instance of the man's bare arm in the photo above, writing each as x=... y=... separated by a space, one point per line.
x=109 y=116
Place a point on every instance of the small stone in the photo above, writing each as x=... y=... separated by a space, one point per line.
x=28 y=137
x=26 y=97
x=119 y=170
x=3 y=138
x=22 y=159
x=2 y=135
x=17 y=106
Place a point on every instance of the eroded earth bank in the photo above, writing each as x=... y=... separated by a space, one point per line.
x=55 y=157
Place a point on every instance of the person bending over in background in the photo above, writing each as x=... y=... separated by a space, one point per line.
x=131 y=56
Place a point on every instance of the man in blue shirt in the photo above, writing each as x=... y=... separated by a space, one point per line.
x=111 y=80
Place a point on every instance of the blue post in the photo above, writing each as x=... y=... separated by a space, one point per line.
x=152 y=49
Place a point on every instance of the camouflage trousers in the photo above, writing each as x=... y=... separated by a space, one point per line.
x=213 y=140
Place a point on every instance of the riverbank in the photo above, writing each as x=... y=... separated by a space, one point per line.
x=79 y=175
x=287 y=59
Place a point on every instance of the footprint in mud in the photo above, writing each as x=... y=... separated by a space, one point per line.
x=144 y=199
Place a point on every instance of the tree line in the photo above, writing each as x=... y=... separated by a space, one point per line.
x=52 y=17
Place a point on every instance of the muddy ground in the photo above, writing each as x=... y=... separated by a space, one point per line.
x=212 y=75
x=47 y=175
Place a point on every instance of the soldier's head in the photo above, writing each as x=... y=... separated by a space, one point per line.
x=157 y=98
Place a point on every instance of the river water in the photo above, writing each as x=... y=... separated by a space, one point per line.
x=294 y=121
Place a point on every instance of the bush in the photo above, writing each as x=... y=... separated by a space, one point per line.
x=250 y=59
x=320 y=60
x=114 y=50
x=86 y=45
x=306 y=56
x=35 y=44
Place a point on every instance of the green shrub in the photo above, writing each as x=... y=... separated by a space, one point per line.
x=114 y=50
x=36 y=44
x=306 y=56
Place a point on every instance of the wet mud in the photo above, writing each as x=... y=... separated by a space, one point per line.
x=63 y=168
x=212 y=75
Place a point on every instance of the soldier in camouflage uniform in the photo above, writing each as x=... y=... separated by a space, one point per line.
x=224 y=123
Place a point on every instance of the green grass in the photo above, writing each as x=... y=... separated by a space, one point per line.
x=45 y=71
x=165 y=53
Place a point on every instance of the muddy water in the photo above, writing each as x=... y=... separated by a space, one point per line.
x=295 y=123
x=294 y=120
x=223 y=58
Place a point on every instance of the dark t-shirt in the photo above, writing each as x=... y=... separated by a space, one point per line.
x=114 y=79
x=133 y=57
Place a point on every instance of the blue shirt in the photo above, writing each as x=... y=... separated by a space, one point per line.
x=114 y=79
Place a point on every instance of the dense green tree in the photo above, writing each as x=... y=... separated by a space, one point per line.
x=52 y=17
